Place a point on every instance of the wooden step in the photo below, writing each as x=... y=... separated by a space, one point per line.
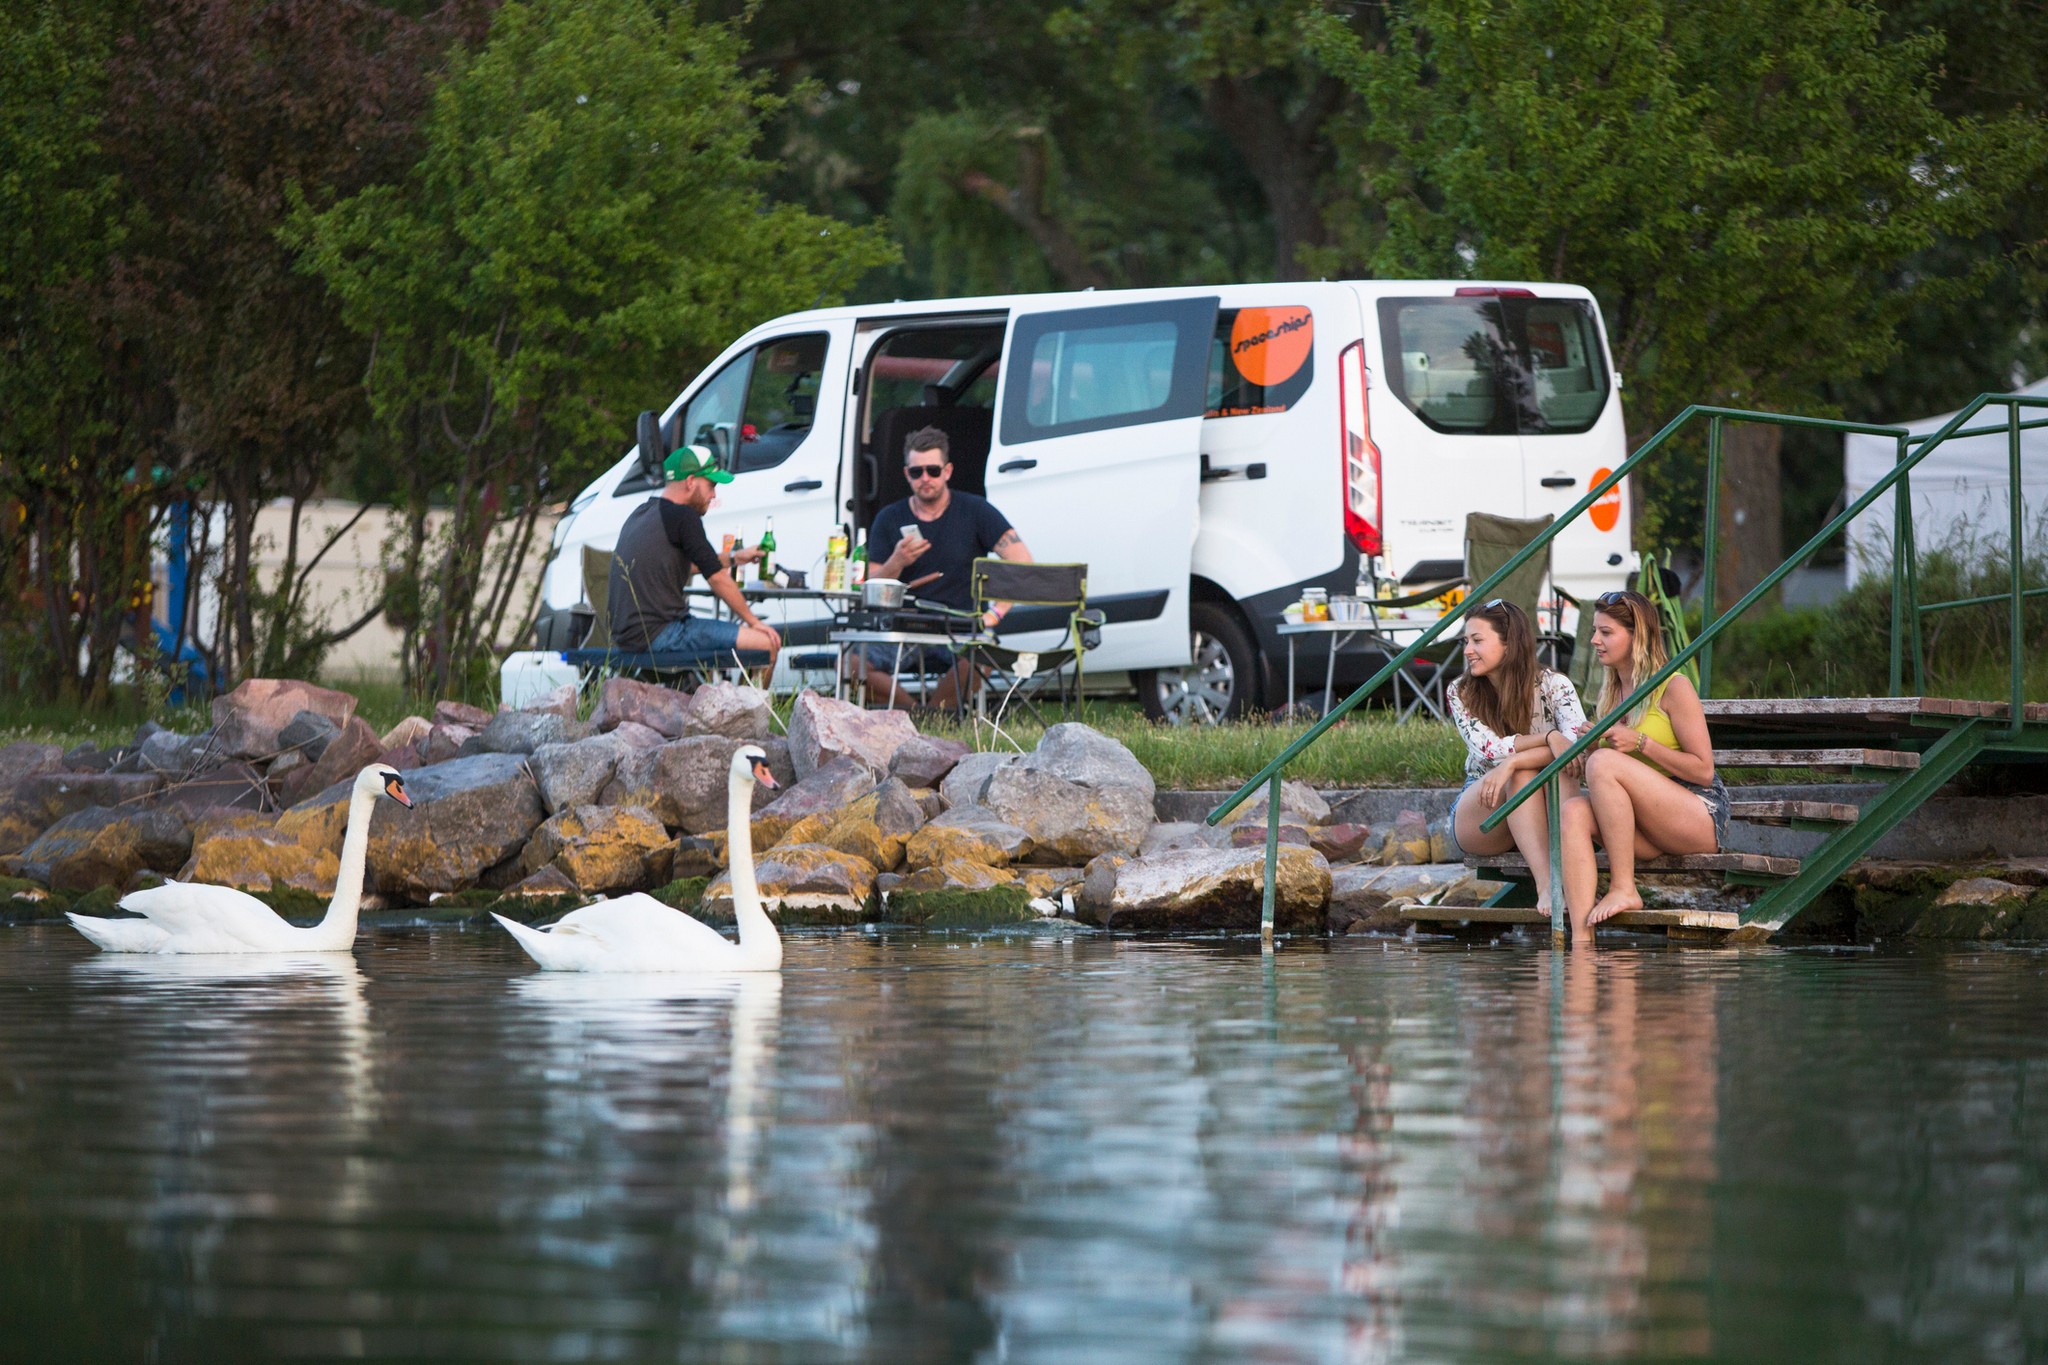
x=1751 y=864
x=1816 y=758
x=1793 y=812
x=1723 y=920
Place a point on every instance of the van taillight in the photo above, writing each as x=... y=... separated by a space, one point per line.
x=1361 y=458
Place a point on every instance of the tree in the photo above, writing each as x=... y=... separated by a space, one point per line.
x=585 y=225
x=1738 y=184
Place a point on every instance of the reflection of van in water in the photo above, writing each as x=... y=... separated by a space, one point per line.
x=1207 y=452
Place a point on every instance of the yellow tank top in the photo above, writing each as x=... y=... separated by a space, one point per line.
x=1656 y=725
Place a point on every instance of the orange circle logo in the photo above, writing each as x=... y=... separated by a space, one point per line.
x=1268 y=344
x=1607 y=511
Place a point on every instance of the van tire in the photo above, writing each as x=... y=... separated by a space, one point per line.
x=1220 y=684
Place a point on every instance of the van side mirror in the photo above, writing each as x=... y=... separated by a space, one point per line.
x=720 y=441
x=648 y=435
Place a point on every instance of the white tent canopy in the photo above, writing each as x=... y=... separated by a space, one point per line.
x=1960 y=491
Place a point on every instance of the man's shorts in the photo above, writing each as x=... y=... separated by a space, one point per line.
x=917 y=659
x=696 y=635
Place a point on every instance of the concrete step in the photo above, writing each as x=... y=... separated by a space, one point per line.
x=1816 y=758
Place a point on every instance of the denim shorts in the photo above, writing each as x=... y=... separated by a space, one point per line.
x=696 y=635
x=917 y=659
x=1451 y=821
x=1714 y=796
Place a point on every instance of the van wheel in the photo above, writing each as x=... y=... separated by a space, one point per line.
x=1218 y=684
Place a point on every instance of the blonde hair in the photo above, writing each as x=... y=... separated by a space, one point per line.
x=1638 y=615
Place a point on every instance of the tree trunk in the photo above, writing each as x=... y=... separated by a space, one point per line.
x=1751 y=522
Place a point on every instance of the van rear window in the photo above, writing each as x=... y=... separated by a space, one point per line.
x=1260 y=360
x=1490 y=366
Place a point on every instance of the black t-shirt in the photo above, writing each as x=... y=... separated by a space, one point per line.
x=967 y=531
x=651 y=563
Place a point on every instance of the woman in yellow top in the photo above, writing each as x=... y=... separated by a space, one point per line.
x=1650 y=786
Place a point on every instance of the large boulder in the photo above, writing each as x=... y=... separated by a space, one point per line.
x=468 y=815
x=556 y=701
x=248 y=720
x=461 y=713
x=972 y=834
x=1408 y=842
x=575 y=774
x=601 y=848
x=1254 y=836
x=1300 y=804
x=99 y=846
x=237 y=785
x=246 y=849
x=1206 y=889
x=454 y=724
x=521 y=732
x=174 y=755
x=924 y=760
x=967 y=782
x=40 y=801
x=1367 y=899
x=822 y=728
x=1086 y=757
x=630 y=701
x=828 y=789
x=957 y=875
x=634 y=735
x=728 y=709
x=683 y=782
x=1069 y=823
x=25 y=759
x=877 y=826
x=804 y=877
x=347 y=752
x=1170 y=835
x=308 y=734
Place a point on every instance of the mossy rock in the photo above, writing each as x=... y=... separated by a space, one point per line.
x=962 y=909
x=683 y=894
x=533 y=909
x=293 y=905
x=101 y=901
x=24 y=902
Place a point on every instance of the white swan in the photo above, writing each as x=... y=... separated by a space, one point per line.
x=637 y=933
x=190 y=917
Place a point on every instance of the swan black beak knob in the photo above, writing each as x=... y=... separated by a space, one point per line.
x=763 y=776
x=394 y=787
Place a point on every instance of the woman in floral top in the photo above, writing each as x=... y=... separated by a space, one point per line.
x=1515 y=716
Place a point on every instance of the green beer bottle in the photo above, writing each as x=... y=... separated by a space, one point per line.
x=767 y=568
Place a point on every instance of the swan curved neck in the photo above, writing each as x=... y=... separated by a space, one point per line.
x=340 y=920
x=757 y=931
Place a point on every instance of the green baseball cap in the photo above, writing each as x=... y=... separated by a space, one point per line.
x=693 y=462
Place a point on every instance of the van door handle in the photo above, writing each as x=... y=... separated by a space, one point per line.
x=1012 y=466
x=1559 y=481
x=803 y=486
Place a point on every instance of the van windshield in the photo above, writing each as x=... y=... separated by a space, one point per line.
x=1496 y=366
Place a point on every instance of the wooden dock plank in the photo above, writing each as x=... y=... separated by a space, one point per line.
x=1815 y=758
x=1722 y=920
x=1786 y=812
x=1756 y=864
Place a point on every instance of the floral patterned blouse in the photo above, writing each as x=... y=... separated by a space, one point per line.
x=1557 y=708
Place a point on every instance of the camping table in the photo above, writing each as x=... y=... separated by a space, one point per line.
x=907 y=639
x=1342 y=633
x=834 y=599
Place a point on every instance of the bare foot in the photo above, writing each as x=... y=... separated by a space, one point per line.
x=1612 y=904
x=1582 y=930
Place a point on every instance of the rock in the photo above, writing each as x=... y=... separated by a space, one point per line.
x=308 y=734
x=1340 y=841
x=248 y=850
x=99 y=846
x=957 y=875
x=1190 y=889
x=461 y=713
x=174 y=755
x=1358 y=905
x=1048 y=882
x=628 y=701
x=560 y=701
x=1254 y=836
x=469 y=814
x=821 y=728
x=236 y=785
x=812 y=829
x=967 y=783
x=547 y=884
x=972 y=834
x=634 y=735
x=876 y=827
x=696 y=857
x=780 y=762
x=601 y=848
x=25 y=759
x=1443 y=847
x=1069 y=823
x=574 y=774
x=347 y=753
x=1173 y=834
x=832 y=787
x=412 y=730
x=683 y=782
x=285 y=764
x=1300 y=804
x=1408 y=841
x=521 y=732
x=444 y=742
x=804 y=877
x=248 y=720
x=723 y=708
x=930 y=802
x=1988 y=893
x=1086 y=757
x=87 y=758
x=404 y=757
x=1097 y=892
x=897 y=809
x=40 y=801
x=924 y=760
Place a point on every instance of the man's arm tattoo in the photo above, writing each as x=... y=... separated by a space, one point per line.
x=1009 y=538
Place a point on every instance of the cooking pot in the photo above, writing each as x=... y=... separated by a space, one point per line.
x=883 y=593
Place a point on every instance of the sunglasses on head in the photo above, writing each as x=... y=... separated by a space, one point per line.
x=924 y=471
x=1618 y=598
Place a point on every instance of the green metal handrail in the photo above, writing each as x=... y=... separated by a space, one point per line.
x=1904 y=585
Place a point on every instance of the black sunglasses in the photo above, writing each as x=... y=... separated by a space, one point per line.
x=924 y=471
x=1619 y=597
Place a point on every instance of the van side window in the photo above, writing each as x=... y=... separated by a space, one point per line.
x=1260 y=360
x=1087 y=374
x=1496 y=366
x=1567 y=374
x=760 y=405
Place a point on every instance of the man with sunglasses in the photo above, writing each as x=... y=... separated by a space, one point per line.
x=946 y=532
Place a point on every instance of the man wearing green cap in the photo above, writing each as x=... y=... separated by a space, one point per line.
x=658 y=546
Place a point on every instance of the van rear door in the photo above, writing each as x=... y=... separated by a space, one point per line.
x=1097 y=456
x=1571 y=429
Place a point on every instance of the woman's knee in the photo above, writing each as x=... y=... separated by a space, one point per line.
x=1576 y=816
x=1604 y=765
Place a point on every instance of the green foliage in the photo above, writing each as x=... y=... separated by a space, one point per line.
x=1009 y=904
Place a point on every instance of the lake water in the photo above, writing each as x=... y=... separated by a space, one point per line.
x=1030 y=1147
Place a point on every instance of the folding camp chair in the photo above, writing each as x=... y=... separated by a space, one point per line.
x=599 y=657
x=1042 y=597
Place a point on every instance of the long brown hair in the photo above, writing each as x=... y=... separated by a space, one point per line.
x=1637 y=614
x=1504 y=701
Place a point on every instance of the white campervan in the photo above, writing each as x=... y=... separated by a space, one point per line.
x=1208 y=452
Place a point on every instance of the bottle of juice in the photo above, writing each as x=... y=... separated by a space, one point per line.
x=857 y=568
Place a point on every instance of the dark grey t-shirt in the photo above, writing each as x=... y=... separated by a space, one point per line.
x=651 y=564
x=968 y=531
